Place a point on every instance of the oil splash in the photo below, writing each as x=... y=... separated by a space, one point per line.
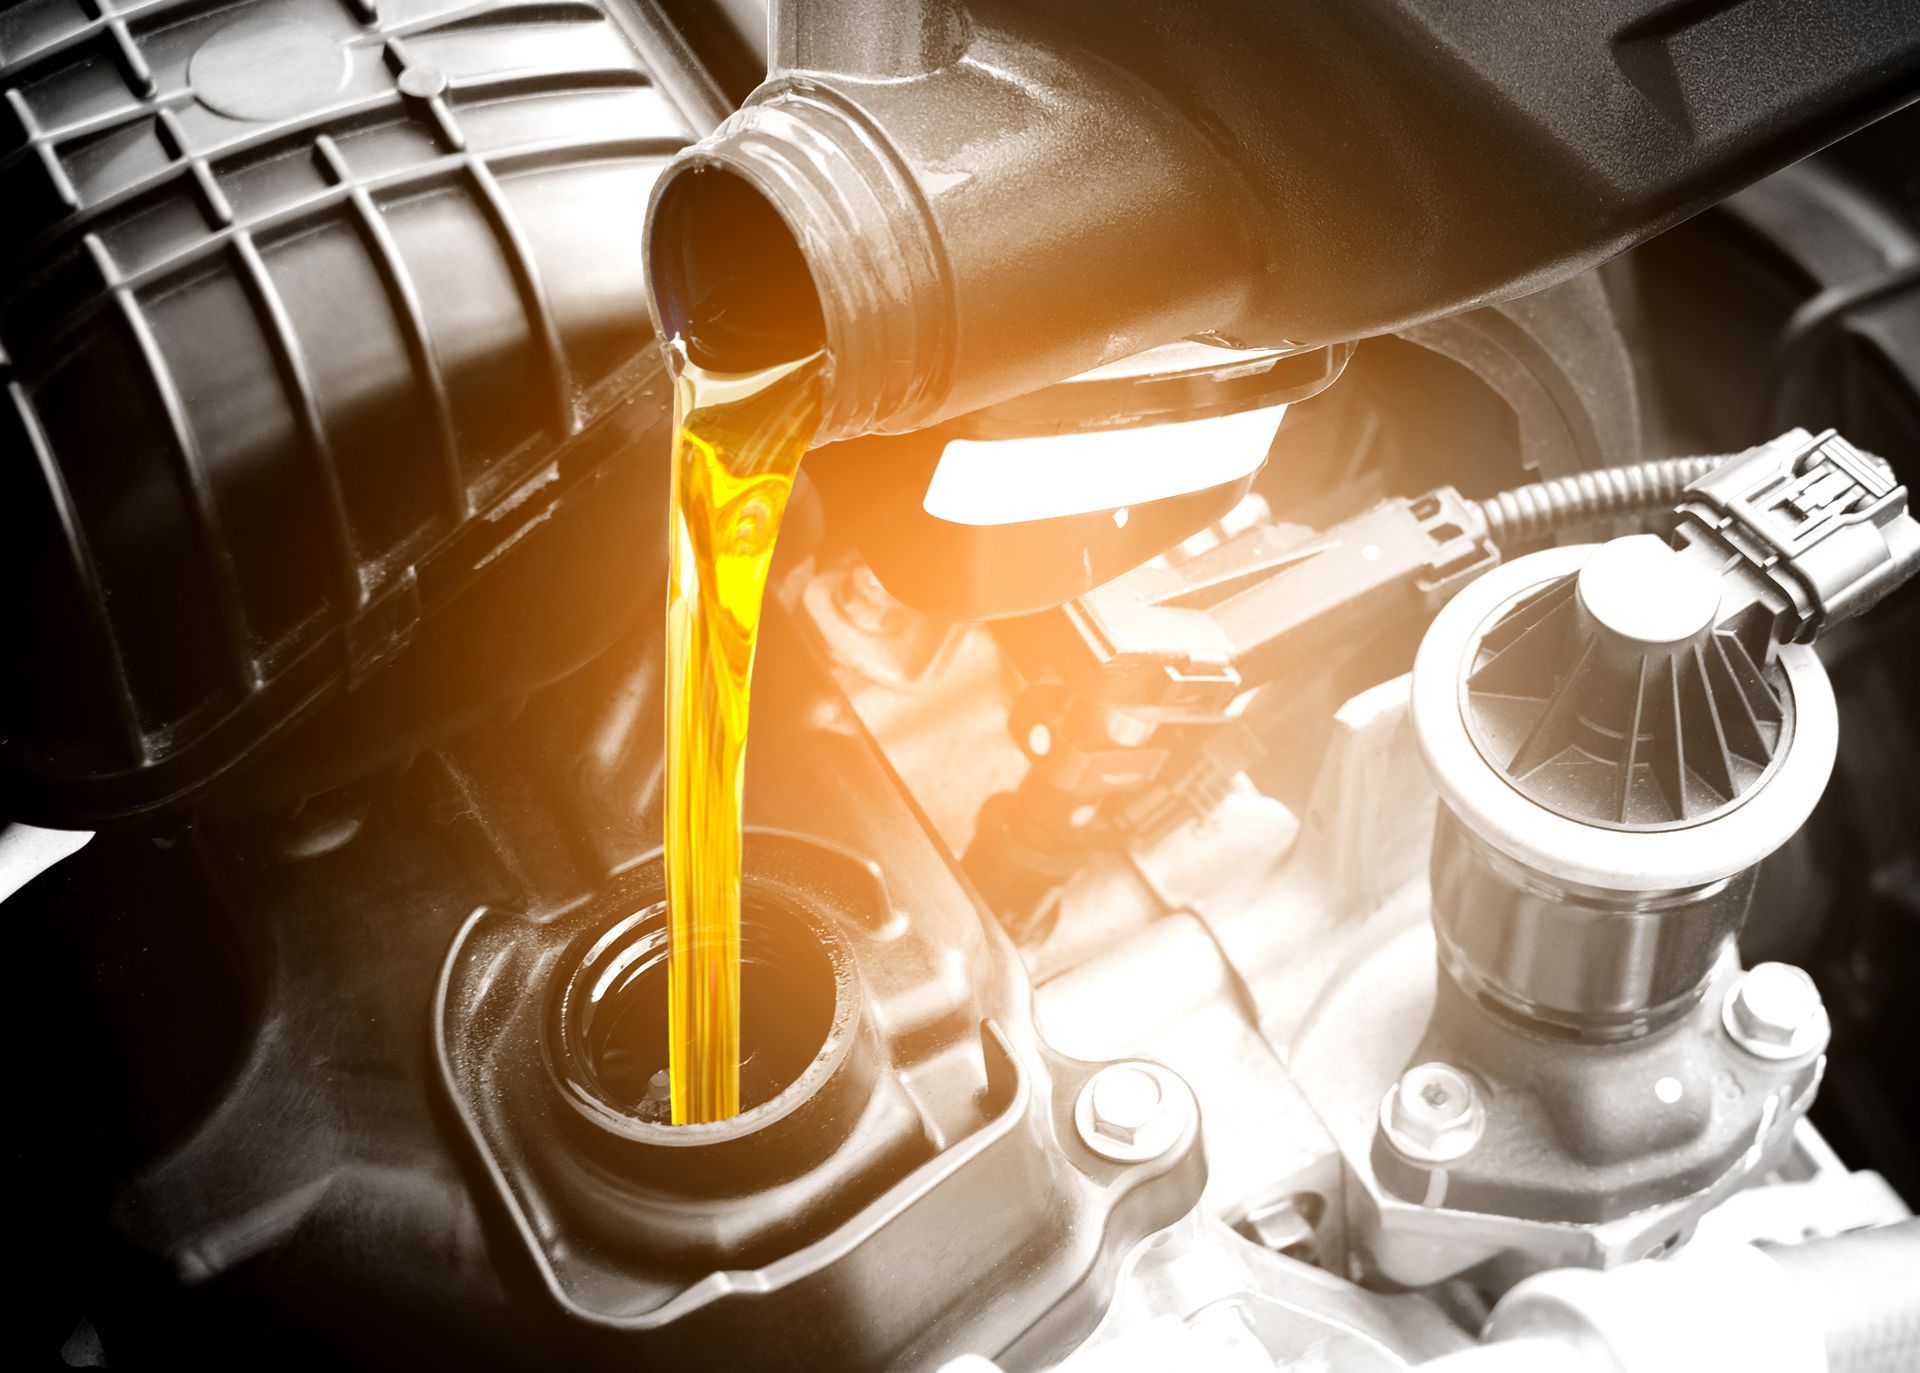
x=738 y=440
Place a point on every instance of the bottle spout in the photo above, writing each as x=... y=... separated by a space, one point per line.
x=948 y=239
x=728 y=277
x=791 y=231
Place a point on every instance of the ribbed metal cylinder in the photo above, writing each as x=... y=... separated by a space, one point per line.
x=1588 y=963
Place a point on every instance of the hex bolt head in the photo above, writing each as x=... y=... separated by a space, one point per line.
x=1125 y=1101
x=1774 y=1011
x=1132 y=1112
x=1433 y=1114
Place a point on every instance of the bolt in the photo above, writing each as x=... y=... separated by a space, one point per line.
x=1132 y=1112
x=1125 y=1102
x=1433 y=1114
x=1774 y=1011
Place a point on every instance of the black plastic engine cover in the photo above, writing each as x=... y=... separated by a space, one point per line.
x=308 y=312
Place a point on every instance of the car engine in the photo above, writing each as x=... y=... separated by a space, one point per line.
x=1333 y=780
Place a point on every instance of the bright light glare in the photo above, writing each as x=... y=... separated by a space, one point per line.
x=1006 y=481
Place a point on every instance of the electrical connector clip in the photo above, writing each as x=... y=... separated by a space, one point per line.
x=1813 y=518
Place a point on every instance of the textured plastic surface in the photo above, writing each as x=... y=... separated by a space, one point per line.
x=307 y=313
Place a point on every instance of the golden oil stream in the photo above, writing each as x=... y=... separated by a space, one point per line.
x=738 y=439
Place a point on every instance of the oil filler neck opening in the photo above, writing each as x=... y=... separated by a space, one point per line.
x=607 y=1044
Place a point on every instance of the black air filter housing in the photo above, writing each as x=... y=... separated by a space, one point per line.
x=309 y=311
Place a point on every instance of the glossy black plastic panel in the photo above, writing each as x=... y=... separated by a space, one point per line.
x=305 y=311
